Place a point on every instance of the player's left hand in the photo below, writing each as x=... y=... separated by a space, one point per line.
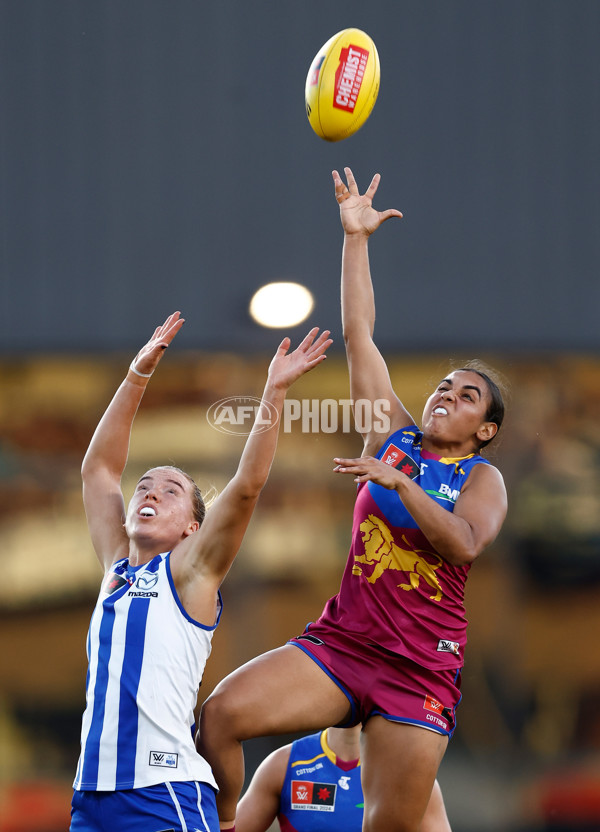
x=367 y=468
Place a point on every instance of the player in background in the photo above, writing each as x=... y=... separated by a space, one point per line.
x=388 y=649
x=313 y=785
x=150 y=635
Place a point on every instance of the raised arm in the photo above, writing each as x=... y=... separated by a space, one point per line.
x=105 y=459
x=369 y=376
x=201 y=561
x=259 y=806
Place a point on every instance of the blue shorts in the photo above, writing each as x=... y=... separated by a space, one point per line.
x=166 y=807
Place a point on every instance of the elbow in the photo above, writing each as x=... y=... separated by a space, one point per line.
x=463 y=545
x=461 y=555
x=348 y=330
x=87 y=468
x=461 y=559
x=249 y=489
x=251 y=493
x=348 y=334
x=356 y=332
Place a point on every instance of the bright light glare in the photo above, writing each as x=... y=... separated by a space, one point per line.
x=281 y=304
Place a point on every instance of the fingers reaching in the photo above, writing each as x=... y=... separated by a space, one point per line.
x=148 y=357
x=169 y=329
x=341 y=190
x=372 y=189
x=308 y=338
x=352 y=186
x=286 y=366
x=284 y=346
x=368 y=468
x=356 y=210
x=315 y=352
x=307 y=342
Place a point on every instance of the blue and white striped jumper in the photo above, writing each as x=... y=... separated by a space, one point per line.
x=146 y=659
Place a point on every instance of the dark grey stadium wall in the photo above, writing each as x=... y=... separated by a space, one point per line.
x=156 y=155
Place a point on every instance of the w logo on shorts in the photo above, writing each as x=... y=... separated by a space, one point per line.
x=432 y=704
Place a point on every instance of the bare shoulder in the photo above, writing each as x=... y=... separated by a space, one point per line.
x=259 y=806
x=486 y=475
x=483 y=498
x=276 y=763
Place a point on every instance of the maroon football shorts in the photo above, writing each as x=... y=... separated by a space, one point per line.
x=379 y=682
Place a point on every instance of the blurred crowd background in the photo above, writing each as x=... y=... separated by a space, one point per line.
x=156 y=156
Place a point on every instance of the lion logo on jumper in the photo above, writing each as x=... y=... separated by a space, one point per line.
x=382 y=553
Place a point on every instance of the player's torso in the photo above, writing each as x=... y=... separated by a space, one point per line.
x=397 y=591
x=146 y=658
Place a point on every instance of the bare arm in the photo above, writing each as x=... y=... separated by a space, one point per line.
x=259 y=806
x=369 y=376
x=106 y=457
x=202 y=560
x=459 y=536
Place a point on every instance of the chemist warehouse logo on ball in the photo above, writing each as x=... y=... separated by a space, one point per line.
x=238 y=414
x=349 y=77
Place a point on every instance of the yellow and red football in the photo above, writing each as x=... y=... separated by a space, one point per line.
x=342 y=85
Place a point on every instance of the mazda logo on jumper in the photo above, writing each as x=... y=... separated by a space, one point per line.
x=147 y=581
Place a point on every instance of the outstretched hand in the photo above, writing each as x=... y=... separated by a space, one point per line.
x=368 y=468
x=148 y=357
x=286 y=366
x=356 y=212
